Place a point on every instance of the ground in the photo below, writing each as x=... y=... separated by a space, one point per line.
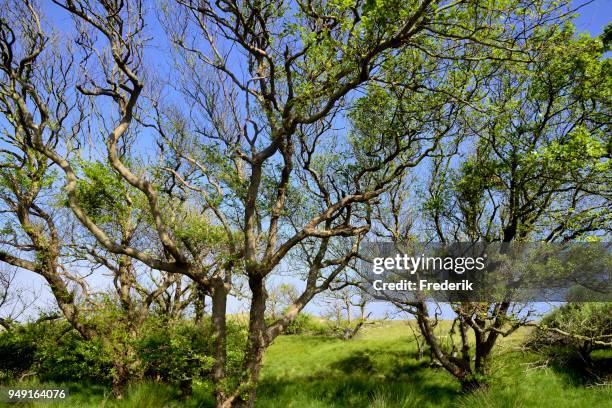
x=378 y=368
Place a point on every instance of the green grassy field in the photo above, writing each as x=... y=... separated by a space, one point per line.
x=376 y=369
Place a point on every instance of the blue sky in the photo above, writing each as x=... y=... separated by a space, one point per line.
x=594 y=16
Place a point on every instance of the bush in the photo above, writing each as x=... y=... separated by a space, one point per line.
x=570 y=333
x=174 y=353
x=53 y=351
x=237 y=334
x=171 y=352
x=181 y=352
x=17 y=348
x=305 y=323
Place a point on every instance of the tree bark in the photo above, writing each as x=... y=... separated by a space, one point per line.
x=120 y=379
x=219 y=324
x=257 y=342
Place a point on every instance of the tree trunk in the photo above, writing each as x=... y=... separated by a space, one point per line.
x=127 y=367
x=219 y=324
x=452 y=364
x=257 y=342
x=200 y=306
x=470 y=384
x=186 y=387
x=120 y=379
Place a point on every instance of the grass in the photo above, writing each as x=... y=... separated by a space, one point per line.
x=377 y=369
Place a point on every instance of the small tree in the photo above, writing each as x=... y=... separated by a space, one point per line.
x=346 y=310
x=14 y=300
x=280 y=298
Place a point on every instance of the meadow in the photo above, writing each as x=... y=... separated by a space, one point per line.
x=378 y=368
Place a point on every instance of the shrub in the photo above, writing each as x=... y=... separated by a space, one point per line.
x=174 y=353
x=305 y=323
x=70 y=358
x=17 y=348
x=54 y=352
x=299 y=324
x=570 y=333
x=237 y=333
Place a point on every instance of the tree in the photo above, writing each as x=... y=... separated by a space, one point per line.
x=272 y=127
x=534 y=167
x=279 y=298
x=39 y=107
x=346 y=310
